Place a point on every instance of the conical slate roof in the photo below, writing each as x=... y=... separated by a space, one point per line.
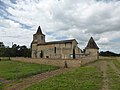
x=39 y=31
x=91 y=44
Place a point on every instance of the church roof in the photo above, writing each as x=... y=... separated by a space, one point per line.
x=39 y=31
x=91 y=44
x=60 y=42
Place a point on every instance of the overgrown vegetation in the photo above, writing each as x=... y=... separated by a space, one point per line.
x=15 y=70
x=84 y=78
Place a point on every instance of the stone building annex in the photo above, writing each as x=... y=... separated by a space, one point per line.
x=65 y=49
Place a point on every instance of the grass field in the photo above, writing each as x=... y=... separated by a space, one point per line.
x=114 y=77
x=13 y=70
x=1 y=86
x=84 y=78
x=117 y=63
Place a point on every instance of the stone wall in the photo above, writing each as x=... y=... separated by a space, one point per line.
x=55 y=62
x=58 y=50
x=93 y=53
x=88 y=59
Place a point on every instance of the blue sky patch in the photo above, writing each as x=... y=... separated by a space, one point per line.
x=115 y=40
x=13 y=1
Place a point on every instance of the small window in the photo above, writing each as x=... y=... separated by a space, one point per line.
x=54 y=49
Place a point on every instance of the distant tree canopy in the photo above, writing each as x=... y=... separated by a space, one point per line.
x=108 y=53
x=15 y=51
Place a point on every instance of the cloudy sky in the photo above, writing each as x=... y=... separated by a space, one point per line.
x=61 y=19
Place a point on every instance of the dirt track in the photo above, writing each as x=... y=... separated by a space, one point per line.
x=103 y=65
x=36 y=78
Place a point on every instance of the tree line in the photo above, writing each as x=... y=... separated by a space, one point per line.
x=15 y=51
x=23 y=51
x=108 y=53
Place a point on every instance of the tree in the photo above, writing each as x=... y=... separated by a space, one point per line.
x=2 y=52
x=15 y=51
x=108 y=53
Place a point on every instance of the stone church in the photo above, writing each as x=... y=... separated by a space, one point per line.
x=64 y=49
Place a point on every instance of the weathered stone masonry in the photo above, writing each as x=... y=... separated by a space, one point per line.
x=65 y=49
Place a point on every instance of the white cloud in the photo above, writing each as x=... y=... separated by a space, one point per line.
x=63 y=19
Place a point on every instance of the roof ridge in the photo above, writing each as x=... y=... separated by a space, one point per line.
x=63 y=40
x=59 y=42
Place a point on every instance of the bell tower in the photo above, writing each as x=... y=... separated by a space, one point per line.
x=39 y=37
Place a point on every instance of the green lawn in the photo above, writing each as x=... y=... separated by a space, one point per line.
x=83 y=78
x=114 y=78
x=13 y=70
x=117 y=63
x=1 y=86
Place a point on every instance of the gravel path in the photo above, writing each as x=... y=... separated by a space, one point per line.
x=36 y=78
